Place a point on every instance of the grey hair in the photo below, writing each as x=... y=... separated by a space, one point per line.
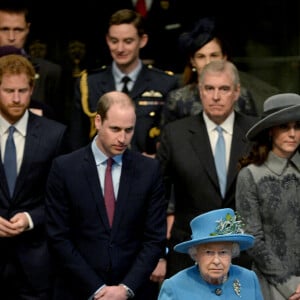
x=235 y=251
x=220 y=66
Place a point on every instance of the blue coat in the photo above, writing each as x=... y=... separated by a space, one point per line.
x=188 y=284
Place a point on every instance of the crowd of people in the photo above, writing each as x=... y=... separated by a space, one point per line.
x=149 y=167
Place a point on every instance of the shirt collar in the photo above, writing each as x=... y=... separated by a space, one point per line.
x=227 y=125
x=118 y=75
x=100 y=157
x=20 y=125
x=278 y=164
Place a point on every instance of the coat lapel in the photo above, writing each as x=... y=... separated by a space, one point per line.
x=3 y=183
x=124 y=188
x=91 y=174
x=107 y=82
x=141 y=83
x=31 y=147
x=201 y=145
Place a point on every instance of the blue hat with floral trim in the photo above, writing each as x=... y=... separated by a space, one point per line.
x=220 y=225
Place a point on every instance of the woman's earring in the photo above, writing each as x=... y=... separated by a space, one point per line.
x=194 y=69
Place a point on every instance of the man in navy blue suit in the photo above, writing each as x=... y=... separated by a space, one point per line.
x=24 y=258
x=95 y=259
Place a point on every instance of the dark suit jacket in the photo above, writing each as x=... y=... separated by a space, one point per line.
x=44 y=141
x=149 y=94
x=48 y=87
x=88 y=252
x=188 y=165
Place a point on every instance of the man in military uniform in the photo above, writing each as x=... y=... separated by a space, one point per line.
x=146 y=85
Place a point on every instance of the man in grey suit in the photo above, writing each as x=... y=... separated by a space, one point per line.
x=187 y=152
x=25 y=267
x=94 y=257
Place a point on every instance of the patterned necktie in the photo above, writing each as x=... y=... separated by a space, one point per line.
x=125 y=80
x=10 y=160
x=109 y=196
x=220 y=160
x=141 y=7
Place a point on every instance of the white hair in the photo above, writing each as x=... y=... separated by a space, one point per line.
x=235 y=251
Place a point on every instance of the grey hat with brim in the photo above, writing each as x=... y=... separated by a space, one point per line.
x=278 y=109
x=220 y=225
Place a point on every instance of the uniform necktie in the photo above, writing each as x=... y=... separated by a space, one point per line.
x=10 y=160
x=125 y=80
x=109 y=196
x=141 y=7
x=220 y=160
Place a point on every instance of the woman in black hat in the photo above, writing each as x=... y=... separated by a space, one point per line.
x=268 y=197
x=203 y=44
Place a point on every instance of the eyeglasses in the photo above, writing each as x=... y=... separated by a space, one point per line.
x=223 y=253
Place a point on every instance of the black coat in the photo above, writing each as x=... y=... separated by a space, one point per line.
x=188 y=167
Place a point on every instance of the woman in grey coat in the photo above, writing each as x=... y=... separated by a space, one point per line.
x=268 y=197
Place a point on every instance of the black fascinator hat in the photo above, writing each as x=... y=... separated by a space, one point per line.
x=203 y=32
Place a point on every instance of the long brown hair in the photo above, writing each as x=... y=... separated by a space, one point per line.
x=260 y=150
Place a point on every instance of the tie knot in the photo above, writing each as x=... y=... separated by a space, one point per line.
x=109 y=162
x=11 y=130
x=219 y=129
x=126 y=79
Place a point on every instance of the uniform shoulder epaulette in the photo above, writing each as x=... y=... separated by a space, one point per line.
x=170 y=73
x=96 y=70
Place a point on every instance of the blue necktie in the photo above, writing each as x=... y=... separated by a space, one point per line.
x=220 y=160
x=10 y=160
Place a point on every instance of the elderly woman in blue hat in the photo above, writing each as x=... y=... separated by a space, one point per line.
x=268 y=197
x=217 y=237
